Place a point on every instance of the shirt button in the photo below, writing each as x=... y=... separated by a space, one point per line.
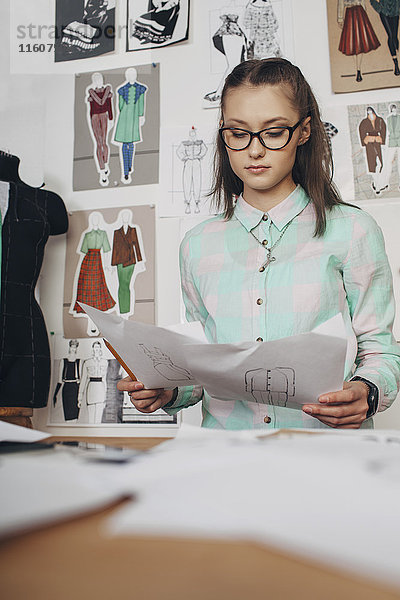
x=259 y=339
x=265 y=242
x=265 y=218
x=260 y=301
x=267 y=419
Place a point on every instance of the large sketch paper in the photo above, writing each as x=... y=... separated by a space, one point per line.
x=289 y=372
x=15 y=433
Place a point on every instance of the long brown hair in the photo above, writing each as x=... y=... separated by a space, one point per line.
x=313 y=167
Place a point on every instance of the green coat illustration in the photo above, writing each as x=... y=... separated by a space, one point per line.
x=131 y=108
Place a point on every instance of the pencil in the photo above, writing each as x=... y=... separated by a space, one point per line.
x=119 y=359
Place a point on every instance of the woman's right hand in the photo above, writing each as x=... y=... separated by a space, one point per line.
x=145 y=401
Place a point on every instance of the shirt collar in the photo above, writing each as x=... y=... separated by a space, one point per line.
x=280 y=214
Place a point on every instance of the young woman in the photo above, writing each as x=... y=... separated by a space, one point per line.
x=284 y=257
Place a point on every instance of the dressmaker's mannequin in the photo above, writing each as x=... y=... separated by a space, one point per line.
x=29 y=216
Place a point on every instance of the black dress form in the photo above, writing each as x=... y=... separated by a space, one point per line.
x=33 y=214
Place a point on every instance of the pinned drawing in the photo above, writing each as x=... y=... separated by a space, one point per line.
x=156 y=23
x=86 y=28
x=191 y=152
x=375 y=142
x=127 y=255
x=85 y=394
x=271 y=386
x=130 y=120
x=110 y=265
x=164 y=365
x=363 y=44
x=117 y=127
x=100 y=119
x=241 y=30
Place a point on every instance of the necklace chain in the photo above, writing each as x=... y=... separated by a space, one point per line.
x=270 y=258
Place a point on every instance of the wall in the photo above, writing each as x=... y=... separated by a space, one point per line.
x=183 y=68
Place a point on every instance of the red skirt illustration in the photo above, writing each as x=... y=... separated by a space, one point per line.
x=92 y=287
x=358 y=35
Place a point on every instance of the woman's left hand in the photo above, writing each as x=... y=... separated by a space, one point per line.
x=346 y=409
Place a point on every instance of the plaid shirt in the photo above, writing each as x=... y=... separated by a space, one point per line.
x=311 y=280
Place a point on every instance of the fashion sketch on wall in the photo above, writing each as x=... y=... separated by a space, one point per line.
x=110 y=266
x=185 y=172
x=84 y=388
x=375 y=140
x=363 y=43
x=156 y=23
x=85 y=28
x=241 y=30
x=117 y=116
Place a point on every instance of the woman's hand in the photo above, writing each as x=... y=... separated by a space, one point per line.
x=346 y=409
x=145 y=401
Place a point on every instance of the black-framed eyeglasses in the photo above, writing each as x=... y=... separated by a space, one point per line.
x=272 y=138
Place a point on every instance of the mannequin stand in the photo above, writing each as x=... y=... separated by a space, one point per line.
x=17 y=415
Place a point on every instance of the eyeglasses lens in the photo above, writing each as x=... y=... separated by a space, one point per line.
x=273 y=138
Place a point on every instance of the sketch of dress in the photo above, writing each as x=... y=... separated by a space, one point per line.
x=262 y=27
x=68 y=382
x=83 y=35
x=163 y=364
x=158 y=24
x=126 y=254
x=191 y=152
x=92 y=287
x=358 y=36
x=112 y=412
x=271 y=386
x=93 y=386
x=231 y=41
x=131 y=104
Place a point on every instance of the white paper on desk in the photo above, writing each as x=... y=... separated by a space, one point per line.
x=288 y=372
x=156 y=355
x=15 y=433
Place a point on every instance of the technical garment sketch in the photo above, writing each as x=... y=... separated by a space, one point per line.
x=372 y=132
x=388 y=11
x=271 y=386
x=358 y=36
x=100 y=117
x=126 y=254
x=163 y=364
x=393 y=145
x=158 y=24
x=231 y=41
x=191 y=152
x=90 y=283
x=262 y=28
x=93 y=386
x=68 y=382
x=131 y=118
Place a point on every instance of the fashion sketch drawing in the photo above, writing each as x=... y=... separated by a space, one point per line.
x=130 y=119
x=100 y=119
x=191 y=152
x=271 y=386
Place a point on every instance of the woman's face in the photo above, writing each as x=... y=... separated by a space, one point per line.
x=254 y=109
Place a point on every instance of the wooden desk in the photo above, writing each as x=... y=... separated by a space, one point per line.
x=74 y=561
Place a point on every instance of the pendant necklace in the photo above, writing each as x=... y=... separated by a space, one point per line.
x=270 y=258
